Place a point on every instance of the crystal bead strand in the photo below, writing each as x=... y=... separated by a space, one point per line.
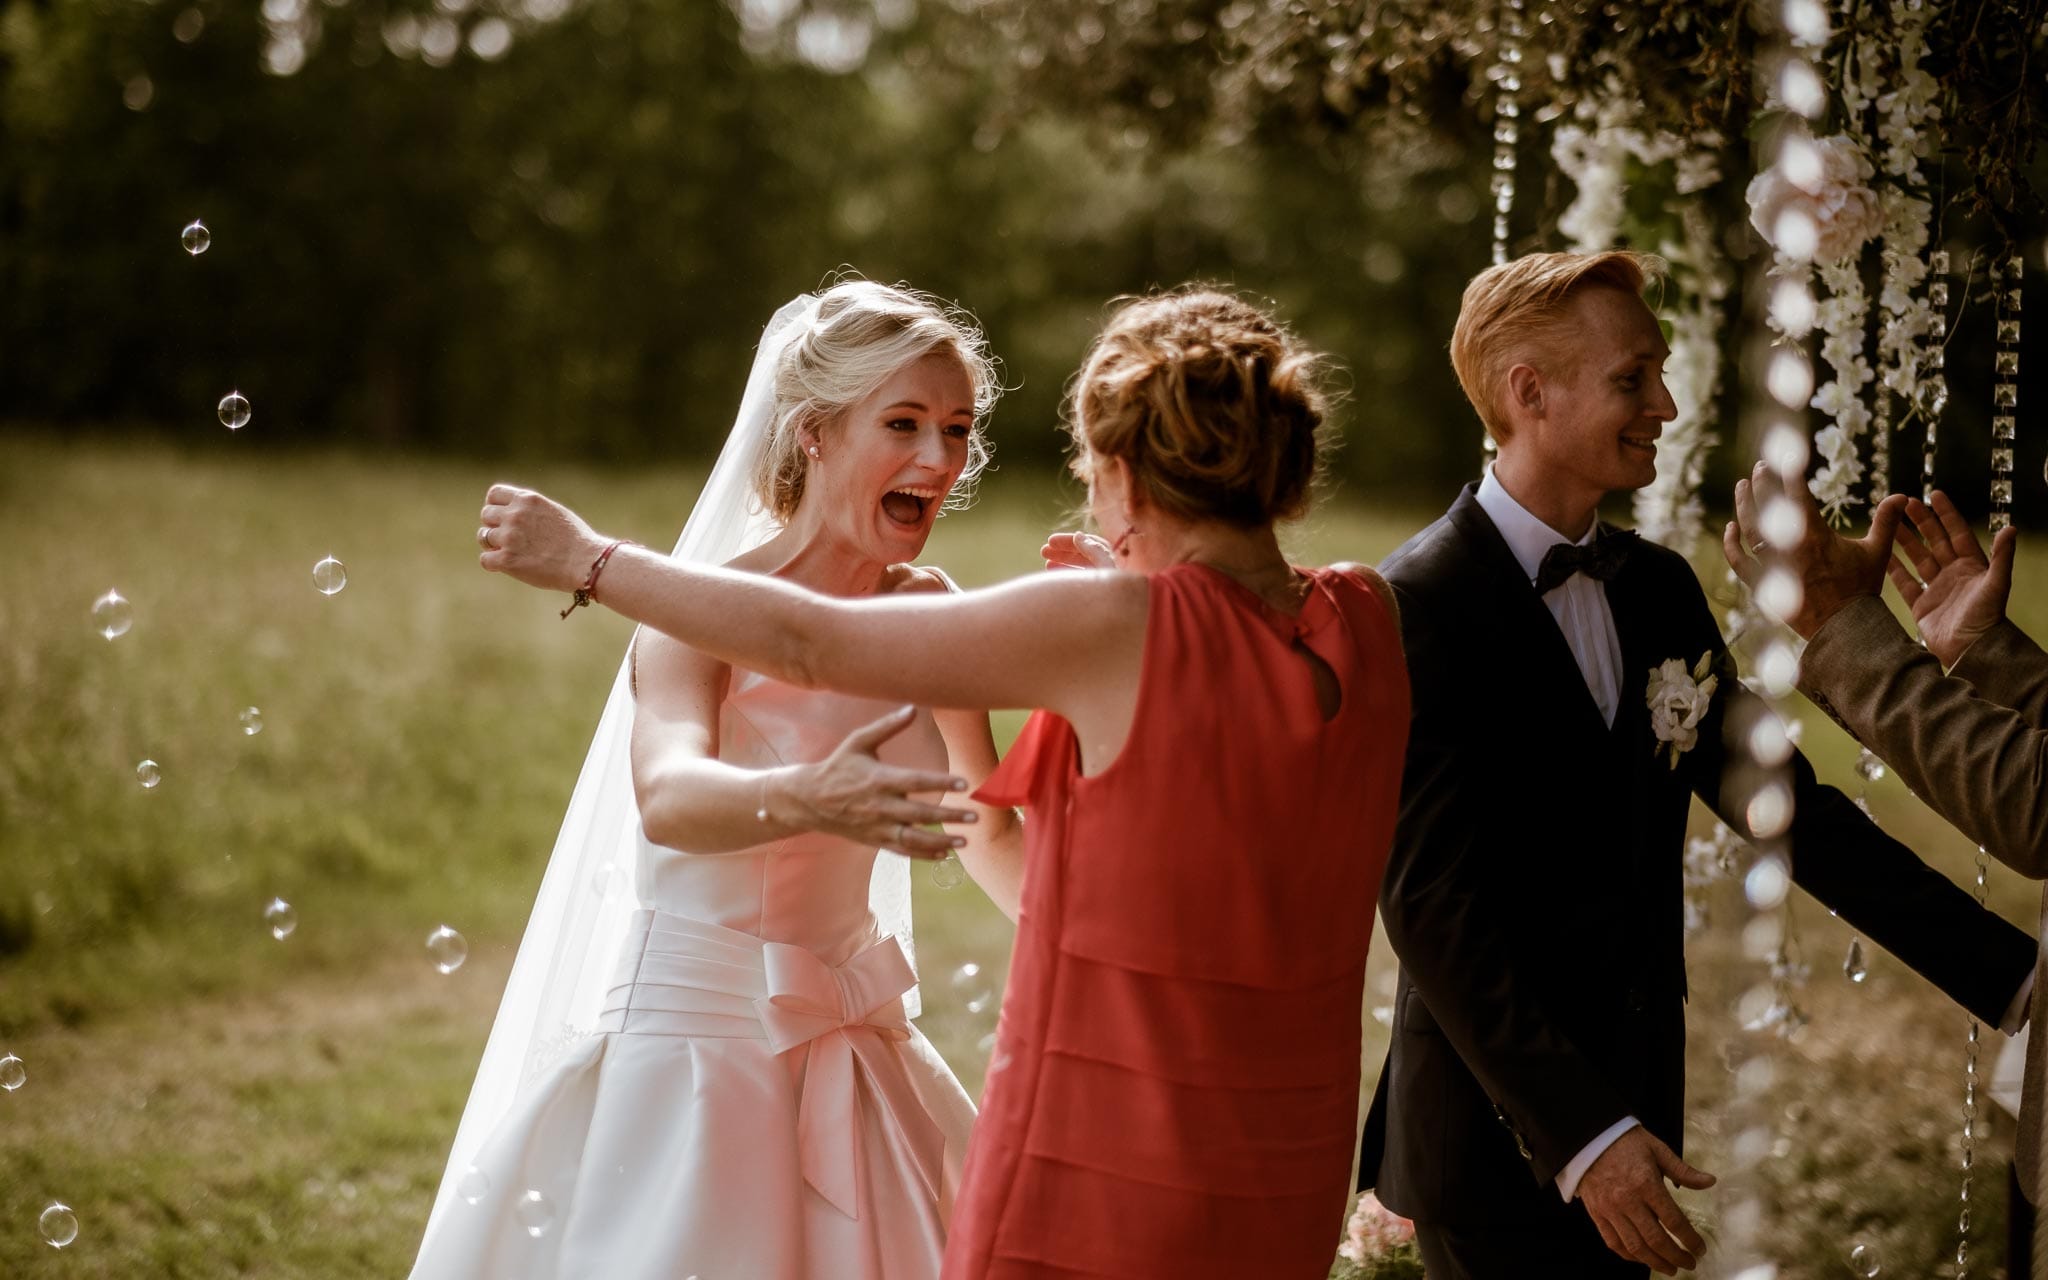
x=1969 y=1117
x=1507 y=120
x=1780 y=384
x=2005 y=397
x=2005 y=391
x=1506 y=75
x=1930 y=396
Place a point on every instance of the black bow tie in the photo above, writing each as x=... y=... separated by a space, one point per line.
x=1599 y=560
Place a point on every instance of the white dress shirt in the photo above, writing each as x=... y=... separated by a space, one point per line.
x=1580 y=607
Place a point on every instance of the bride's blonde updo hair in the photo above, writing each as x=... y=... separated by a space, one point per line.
x=1216 y=408
x=859 y=334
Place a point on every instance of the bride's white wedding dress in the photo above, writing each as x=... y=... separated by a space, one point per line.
x=755 y=1105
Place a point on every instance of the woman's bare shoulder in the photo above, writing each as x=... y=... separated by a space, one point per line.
x=913 y=578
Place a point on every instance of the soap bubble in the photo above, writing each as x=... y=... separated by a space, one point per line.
x=536 y=1213
x=196 y=238
x=149 y=773
x=13 y=1073
x=59 y=1225
x=330 y=576
x=112 y=615
x=252 y=721
x=281 y=918
x=447 y=949
x=234 y=411
x=972 y=987
x=947 y=873
x=474 y=1186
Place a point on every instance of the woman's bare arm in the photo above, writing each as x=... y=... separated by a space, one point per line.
x=690 y=800
x=994 y=852
x=1070 y=642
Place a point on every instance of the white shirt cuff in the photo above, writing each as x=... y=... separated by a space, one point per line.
x=2016 y=1012
x=1568 y=1181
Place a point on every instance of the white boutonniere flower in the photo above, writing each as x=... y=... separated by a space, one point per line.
x=1678 y=702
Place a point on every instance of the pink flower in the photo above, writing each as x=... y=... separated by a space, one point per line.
x=1374 y=1231
x=1844 y=212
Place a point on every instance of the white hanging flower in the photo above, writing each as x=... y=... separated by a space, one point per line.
x=1593 y=151
x=1834 y=485
x=1834 y=399
x=1698 y=170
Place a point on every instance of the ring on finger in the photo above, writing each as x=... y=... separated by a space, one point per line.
x=902 y=834
x=483 y=535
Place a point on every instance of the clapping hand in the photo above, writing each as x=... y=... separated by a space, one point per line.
x=1832 y=569
x=851 y=793
x=1959 y=593
x=531 y=537
x=1077 y=551
x=1625 y=1194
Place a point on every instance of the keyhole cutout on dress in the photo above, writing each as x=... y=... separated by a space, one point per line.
x=1329 y=693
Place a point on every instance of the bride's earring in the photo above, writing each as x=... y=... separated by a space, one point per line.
x=814 y=451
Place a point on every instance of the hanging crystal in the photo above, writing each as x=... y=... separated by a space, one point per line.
x=1507 y=81
x=1931 y=395
x=1970 y=1058
x=2005 y=392
x=1506 y=75
x=1776 y=420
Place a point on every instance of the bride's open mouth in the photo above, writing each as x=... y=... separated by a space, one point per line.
x=906 y=507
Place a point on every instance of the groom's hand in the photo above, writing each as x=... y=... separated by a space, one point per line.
x=1625 y=1194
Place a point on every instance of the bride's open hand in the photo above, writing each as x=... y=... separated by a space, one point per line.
x=851 y=793
x=531 y=537
x=1077 y=551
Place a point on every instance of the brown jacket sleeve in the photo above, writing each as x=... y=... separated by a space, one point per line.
x=2010 y=670
x=1973 y=744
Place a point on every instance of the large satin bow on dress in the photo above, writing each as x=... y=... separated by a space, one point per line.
x=814 y=1005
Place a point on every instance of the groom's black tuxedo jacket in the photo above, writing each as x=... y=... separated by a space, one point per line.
x=1535 y=895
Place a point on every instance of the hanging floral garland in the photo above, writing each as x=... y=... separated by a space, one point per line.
x=1908 y=114
x=1594 y=151
x=1828 y=180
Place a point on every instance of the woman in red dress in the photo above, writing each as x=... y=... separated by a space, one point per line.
x=1210 y=781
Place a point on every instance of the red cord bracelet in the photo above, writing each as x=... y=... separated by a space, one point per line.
x=588 y=591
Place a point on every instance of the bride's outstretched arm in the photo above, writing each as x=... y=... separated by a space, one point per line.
x=692 y=801
x=1054 y=640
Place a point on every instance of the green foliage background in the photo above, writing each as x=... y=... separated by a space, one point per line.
x=569 y=252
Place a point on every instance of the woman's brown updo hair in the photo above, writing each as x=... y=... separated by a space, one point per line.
x=1216 y=408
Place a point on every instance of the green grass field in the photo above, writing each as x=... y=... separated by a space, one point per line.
x=213 y=1102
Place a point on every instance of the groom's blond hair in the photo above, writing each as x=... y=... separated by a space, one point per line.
x=1519 y=310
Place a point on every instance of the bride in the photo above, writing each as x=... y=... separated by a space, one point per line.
x=703 y=1063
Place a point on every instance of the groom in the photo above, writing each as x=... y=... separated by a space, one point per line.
x=1533 y=1099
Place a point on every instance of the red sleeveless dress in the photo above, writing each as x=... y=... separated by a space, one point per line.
x=1174 y=1088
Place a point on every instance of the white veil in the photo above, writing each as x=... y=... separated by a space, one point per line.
x=587 y=896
